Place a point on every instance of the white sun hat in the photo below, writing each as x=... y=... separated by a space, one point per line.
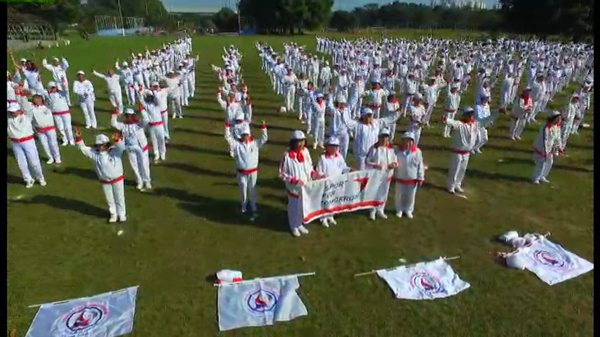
x=101 y=139
x=298 y=135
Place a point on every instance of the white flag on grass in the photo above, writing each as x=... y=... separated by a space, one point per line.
x=423 y=281
x=259 y=302
x=552 y=263
x=106 y=315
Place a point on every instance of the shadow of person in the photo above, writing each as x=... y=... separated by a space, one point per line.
x=226 y=211
x=66 y=204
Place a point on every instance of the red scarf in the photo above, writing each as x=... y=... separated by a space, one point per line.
x=297 y=154
x=327 y=155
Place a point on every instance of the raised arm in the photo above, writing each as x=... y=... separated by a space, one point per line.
x=87 y=151
x=97 y=74
x=113 y=120
x=228 y=136
x=264 y=137
x=64 y=64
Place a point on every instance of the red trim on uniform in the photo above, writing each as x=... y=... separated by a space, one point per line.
x=460 y=152
x=60 y=113
x=164 y=112
x=449 y=111
x=146 y=148
x=46 y=129
x=540 y=153
x=11 y=100
x=156 y=124
x=293 y=195
x=78 y=140
x=21 y=140
x=105 y=182
x=227 y=125
x=342 y=208
x=264 y=127
x=374 y=106
x=247 y=171
x=294 y=180
x=407 y=182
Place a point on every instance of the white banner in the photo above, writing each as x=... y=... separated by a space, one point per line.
x=259 y=302
x=105 y=315
x=423 y=281
x=345 y=193
x=552 y=263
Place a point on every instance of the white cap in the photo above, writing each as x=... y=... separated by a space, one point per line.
x=13 y=107
x=51 y=84
x=553 y=113
x=80 y=72
x=408 y=134
x=467 y=110
x=418 y=96
x=333 y=140
x=125 y=64
x=101 y=139
x=239 y=116
x=298 y=135
x=527 y=88
x=515 y=261
x=23 y=60
x=129 y=111
x=506 y=237
x=154 y=84
x=320 y=95
x=518 y=242
x=56 y=59
x=245 y=129
x=384 y=132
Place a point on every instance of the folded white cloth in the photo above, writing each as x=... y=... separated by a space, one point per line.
x=506 y=237
x=227 y=275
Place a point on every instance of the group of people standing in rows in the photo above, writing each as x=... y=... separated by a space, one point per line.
x=155 y=82
x=357 y=99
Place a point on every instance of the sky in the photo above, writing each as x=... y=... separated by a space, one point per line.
x=214 y=5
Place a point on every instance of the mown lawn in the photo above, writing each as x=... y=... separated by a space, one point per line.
x=176 y=237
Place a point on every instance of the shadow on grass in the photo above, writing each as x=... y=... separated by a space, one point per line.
x=554 y=166
x=477 y=174
x=65 y=204
x=199 y=132
x=14 y=180
x=86 y=174
x=506 y=148
x=197 y=170
x=226 y=211
x=190 y=148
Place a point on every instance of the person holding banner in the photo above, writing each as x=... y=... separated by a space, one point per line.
x=366 y=131
x=408 y=175
x=245 y=152
x=381 y=156
x=331 y=164
x=296 y=169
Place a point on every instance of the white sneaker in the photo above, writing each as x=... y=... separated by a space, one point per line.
x=65 y=143
x=296 y=232
x=43 y=182
x=72 y=143
x=324 y=223
x=156 y=160
x=381 y=214
x=314 y=146
x=140 y=186
x=243 y=210
x=518 y=138
x=57 y=162
x=544 y=180
x=452 y=190
x=122 y=218
x=174 y=116
x=372 y=214
x=459 y=189
x=478 y=151
x=536 y=182
x=148 y=185
x=399 y=214
x=50 y=161
x=112 y=219
x=88 y=126
x=303 y=230
x=409 y=215
x=332 y=221
x=29 y=184
x=180 y=117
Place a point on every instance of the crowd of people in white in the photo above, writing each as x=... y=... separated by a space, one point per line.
x=151 y=81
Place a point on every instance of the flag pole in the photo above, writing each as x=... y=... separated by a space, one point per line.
x=265 y=278
x=375 y=271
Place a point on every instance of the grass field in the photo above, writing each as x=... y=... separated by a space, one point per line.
x=60 y=246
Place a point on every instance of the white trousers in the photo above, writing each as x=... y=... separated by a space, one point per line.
x=319 y=132
x=405 y=197
x=457 y=169
x=165 y=119
x=140 y=163
x=428 y=113
x=542 y=166
x=50 y=144
x=115 y=197
x=28 y=157
x=116 y=100
x=185 y=94
x=130 y=93
x=191 y=80
x=247 y=185
x=565 y=131
x=517 y=125
x=360 y=162
x=176 y=108
x=344 y=143
x=87 y=106
x=294 y=211
x=290 y=95
x=64 y=91
x=447 y=129
x=157 y=137
x=482 y=138
x=63 y=124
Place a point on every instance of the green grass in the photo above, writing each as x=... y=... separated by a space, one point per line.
x=60 y=247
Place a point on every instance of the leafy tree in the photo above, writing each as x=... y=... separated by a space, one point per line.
x=226 y=20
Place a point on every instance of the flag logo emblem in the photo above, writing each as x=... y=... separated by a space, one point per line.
x=262 y=301
x=84 y=318
x=425 y=282
x=549 y=259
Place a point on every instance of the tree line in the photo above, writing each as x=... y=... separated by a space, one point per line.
x=540 y=17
